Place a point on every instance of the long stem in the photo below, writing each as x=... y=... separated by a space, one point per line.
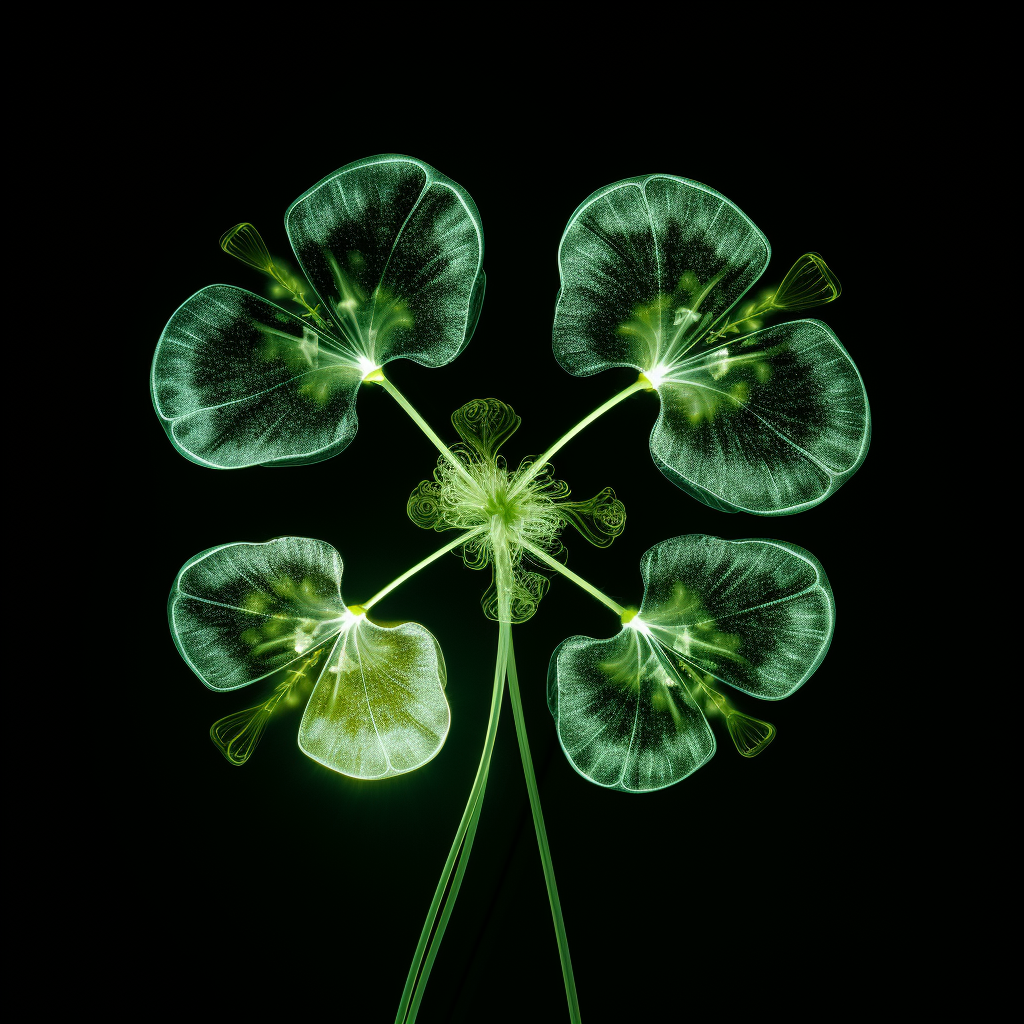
x=421 y=423
x=640 y=385
x=542 y=839
x=455 y=866
x=461 y=539
x=543 y=556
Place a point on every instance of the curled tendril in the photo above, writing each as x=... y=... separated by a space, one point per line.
x=512 y=511
x=545 y=483
x=485 y=424
x=528 y=588
x=476 y=552
x=424 y=506
x=600 y=520
x=483 y=491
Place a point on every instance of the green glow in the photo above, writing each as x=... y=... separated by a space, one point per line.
x=751 y=735
x=770 y=423
x=485 y=424
x=240 y=612
x=245 y=243
x=600 y=520
x=808 y=283
x=755 y=614
x=520 y=512
x=655 y=273
x=237 y=381
x=542 y=839
x=237 y=735
x=455 y=866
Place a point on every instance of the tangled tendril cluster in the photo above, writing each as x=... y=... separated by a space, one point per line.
x=515 y=512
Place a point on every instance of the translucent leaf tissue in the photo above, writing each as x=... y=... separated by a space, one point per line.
x=756 y=416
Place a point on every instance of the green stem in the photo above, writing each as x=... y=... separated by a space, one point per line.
x=455 y=866
x=461 y=539
x=422 y=424
x=544 y=557
x=296 y=295
x=542 y=839
x=760 y=311
x=640 y=385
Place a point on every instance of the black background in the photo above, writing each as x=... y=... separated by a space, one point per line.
x=731 y=889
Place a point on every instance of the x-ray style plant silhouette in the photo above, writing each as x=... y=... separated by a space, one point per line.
x=768 y=419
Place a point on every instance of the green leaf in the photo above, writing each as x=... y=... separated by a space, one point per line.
x=237 y=381
x=756 y=614
x=486 y=424
x=773 y=423
x=647 y=266
x=624 y=717
x=378 y=708
x=241 y=612
x=395 y=251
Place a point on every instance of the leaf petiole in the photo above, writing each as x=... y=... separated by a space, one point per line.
x=544 y=557
x=538 y=465
x=420 y=422
x=461 y=539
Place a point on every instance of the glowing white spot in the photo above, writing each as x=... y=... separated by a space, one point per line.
x=656 y=376
x=639 y=625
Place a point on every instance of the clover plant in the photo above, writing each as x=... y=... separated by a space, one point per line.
x=768 y=419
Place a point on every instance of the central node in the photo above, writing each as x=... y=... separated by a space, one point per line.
x=499 y=504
